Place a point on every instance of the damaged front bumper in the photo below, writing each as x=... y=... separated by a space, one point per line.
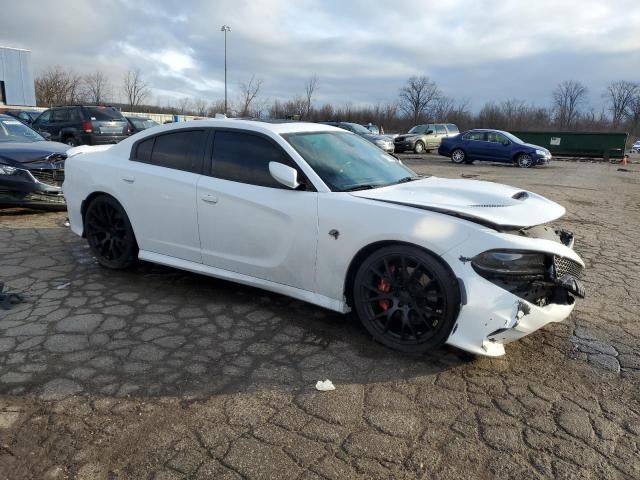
x=25 y=189
x=497 y=311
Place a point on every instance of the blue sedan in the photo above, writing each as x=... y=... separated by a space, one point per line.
x=493 y=146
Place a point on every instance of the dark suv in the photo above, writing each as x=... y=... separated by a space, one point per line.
x=83 y=125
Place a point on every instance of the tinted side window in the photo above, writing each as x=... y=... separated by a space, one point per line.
x=440 y=130
x=180 y=150
x=43 y=117
x=61 y=115
x=242 y=157
x=452 y=128
x=75 y=115
x=143 y=150
x=474 y=136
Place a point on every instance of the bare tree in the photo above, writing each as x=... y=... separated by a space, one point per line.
x=633 y=112
x=184 y=105
x=418 y=96
x=200 y=107
x=620 y=95
x=310 y=87
x=135 y=88
x=248 y=93
x=96 y=86
x=215 y=107
x=568 y=97
x=56 y=86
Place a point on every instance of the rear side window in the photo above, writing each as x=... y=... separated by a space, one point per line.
x=104 y=114
x=180 y=150
x=61 y=115
x=144 y=149
x=452 y=128
x=244 y=158
x=474 y=136
x=440 y=130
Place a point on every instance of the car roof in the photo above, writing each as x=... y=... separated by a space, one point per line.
x=255 y=125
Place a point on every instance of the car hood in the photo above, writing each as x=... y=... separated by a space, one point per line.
x=372 y=137
x=32 y=155
x=405 y=136
x=487 y=203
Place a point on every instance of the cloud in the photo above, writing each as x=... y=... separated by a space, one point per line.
x=362 y=51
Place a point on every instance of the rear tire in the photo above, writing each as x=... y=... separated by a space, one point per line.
x=418 y=147
x=72 y=141
x=458 y=156
x=406 y=299
x=109 y=233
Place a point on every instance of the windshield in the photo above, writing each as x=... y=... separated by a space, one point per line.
x=512 y=137
x=418 y=129
x=16 y=131
x=143 y=123
x=347 y=162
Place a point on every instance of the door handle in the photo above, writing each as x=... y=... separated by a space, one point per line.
x=129 y=179
x=209 y=198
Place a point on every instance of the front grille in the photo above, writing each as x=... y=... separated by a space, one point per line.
x=566 y=266
x=49 y=177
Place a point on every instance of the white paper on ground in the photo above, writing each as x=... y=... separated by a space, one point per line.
x=325 y=386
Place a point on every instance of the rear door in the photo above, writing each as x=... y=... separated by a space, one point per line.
x=249 y=223
x=107 y=121
x=158 y=186
x=474 y=144
x=441 y=132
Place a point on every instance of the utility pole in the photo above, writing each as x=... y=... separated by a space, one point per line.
x=225 y=29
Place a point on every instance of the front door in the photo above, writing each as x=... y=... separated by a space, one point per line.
x=249 y=223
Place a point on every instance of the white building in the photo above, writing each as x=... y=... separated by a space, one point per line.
x=16 y=77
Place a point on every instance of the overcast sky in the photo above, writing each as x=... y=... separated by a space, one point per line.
x=362 y=51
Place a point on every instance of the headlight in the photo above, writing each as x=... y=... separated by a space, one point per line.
x=501 y=263
x=379 y=142
x=7 y=170
x=542 y=153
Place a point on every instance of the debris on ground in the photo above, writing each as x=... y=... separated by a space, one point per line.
x=8 y=298
x=325 y=386
x=64 y=285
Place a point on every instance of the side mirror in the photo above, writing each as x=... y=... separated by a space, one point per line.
x=430 y=132
x=284 y=174
x=506 y=143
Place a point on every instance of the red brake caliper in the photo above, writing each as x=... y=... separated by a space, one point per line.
x=385 y=287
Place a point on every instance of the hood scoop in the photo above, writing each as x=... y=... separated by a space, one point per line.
x=487 y=203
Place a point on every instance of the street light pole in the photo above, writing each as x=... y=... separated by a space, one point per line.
x=225 y=29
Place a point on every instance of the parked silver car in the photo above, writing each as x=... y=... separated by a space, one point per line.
x=423 y=138
x=380 y=141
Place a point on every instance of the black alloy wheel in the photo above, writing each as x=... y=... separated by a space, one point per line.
x=406 y=299
x=109 y=233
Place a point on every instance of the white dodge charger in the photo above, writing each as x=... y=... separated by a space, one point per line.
x=322 y=215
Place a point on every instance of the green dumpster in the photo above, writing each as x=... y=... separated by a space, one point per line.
x=578 y=144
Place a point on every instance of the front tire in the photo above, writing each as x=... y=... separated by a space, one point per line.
x=458 y=156
x=109 y=233
x=406 y=299
x=524 y=161
x=418 y=147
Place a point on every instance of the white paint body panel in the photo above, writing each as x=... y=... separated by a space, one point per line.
x=279 y=239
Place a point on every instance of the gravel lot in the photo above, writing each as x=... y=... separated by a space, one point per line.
x=160 y=374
